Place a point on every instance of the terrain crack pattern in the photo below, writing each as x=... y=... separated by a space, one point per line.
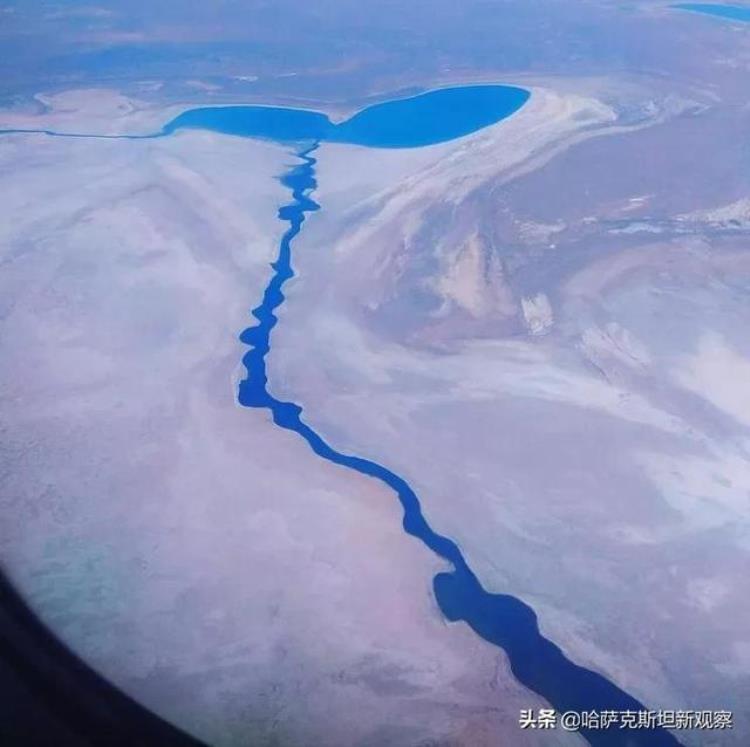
x=500 y=619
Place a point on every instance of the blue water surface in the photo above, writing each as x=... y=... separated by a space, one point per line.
x=500 y=619
x=731 y=12
x=430 y=118
x=433 y=117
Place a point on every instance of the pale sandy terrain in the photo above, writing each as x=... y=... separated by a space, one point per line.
x=542 y=327
x=91 y=111
x=569 y=402
x=197 y=556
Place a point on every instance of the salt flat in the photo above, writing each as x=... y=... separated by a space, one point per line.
x=199 y=558
x=567 y=403
x=542 y=327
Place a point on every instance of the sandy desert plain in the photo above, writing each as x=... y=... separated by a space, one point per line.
x=541 y=326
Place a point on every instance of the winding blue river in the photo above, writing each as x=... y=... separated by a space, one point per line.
x=500 y=619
